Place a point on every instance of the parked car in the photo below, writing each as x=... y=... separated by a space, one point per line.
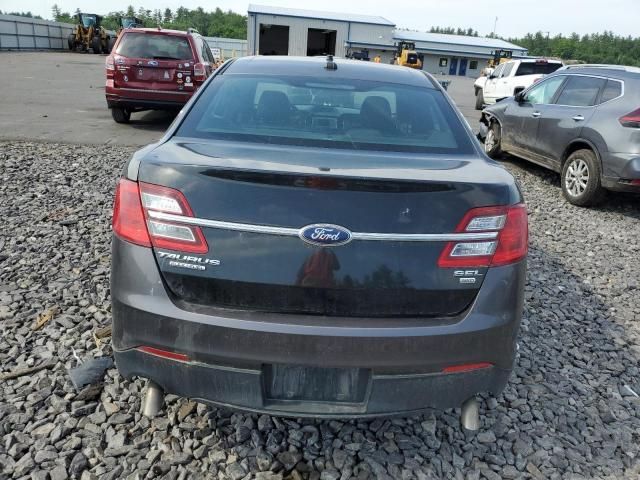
x=307 y=241
x=512 y=77
x=582 y=121
x=155 y=69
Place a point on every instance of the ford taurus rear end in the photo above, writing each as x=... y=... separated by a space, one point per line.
x=307 y=241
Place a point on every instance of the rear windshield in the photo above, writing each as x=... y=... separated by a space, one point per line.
x=541 y=68
x=156 y=46
x=333 y=113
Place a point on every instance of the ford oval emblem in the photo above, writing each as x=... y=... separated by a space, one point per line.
x=325 y=235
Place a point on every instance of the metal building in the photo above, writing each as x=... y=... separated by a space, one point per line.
x=224 y=48
x=18 y=32
x=456 y=54
x=291 y=31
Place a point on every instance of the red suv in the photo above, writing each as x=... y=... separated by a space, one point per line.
x=155 y=69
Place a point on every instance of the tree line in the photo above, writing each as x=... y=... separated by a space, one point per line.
x=470 y=32
x=603 y=47
x=22 y=14
x=216 y=23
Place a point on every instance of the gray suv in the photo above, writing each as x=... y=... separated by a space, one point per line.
x=582 y=121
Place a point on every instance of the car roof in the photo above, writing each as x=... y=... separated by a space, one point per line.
x=315 y=66
x=162 y=31
x=540 y=60
x=610 y=71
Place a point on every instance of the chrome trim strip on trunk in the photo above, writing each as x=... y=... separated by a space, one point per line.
x=294 y=232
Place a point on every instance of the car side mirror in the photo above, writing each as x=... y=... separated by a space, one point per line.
x=519 y=97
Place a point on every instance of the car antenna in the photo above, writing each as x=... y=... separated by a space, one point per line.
x=331 y=65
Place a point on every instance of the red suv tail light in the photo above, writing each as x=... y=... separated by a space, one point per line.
x=109 y=63
x=631 y=119
x=133 y=218
x=509 y=246
x=199 y=72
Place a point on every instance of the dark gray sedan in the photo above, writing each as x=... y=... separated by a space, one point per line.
x=582 y=121
x=322 y=238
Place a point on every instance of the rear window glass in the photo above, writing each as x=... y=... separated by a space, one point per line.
x=159 y=47
x=333 y=113
x=531 y=68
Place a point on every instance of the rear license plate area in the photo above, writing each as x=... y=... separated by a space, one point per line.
x=315 y=384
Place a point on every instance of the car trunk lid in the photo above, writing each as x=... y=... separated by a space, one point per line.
x=252 y=203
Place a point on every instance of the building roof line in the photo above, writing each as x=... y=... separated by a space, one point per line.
x=319 y=15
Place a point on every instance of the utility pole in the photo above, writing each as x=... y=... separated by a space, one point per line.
x=495 y=22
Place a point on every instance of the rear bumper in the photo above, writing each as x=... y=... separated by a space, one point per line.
x=619 y=169
x=228 y=350
x=242 y=388
x=145 y=99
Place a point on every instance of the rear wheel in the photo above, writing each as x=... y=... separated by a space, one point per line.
x=581 y=179
x=71 y=42
x=96 y=45
x=121 y=115
x=112 y=42
x=492 y=141
x=479 y=99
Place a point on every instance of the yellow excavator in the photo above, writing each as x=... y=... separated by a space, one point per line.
x=89 y=34
x=407 y=56
x=125 y=22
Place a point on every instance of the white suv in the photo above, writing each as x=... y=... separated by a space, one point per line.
x=510 y=78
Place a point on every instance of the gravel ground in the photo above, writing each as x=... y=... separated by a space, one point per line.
x=568 y=412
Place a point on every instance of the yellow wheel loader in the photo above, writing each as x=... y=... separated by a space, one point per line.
x=125 y=22
x=407 y=56
x=89 y=34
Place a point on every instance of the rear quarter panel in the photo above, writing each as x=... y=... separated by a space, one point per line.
x=607 y=135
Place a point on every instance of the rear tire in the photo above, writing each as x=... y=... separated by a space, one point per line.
x=112 y=42
x=71 y=42
x=479 y=99
x=96 y=45
x=121 y=115
x=581 y=179
x=492 y=141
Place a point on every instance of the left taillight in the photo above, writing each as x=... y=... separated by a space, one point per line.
x=133 y=218
x=109 y=63
x=510 y=244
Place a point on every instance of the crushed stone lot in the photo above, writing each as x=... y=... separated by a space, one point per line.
x=570 y=411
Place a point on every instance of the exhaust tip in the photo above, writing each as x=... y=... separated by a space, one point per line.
x=153 y=400
x=470 y=415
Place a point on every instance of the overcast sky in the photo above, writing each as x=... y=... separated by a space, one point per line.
x=515 y=17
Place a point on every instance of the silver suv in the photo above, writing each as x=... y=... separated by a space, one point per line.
x=582 y=121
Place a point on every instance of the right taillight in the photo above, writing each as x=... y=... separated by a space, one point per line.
x=199 y=72
x=631 y=119
x=134 y=220
x=509 y=245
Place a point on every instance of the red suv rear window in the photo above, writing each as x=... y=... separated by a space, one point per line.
x=155 y=46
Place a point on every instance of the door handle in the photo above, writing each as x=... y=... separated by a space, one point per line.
x=535 y=114
x=578 y=118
